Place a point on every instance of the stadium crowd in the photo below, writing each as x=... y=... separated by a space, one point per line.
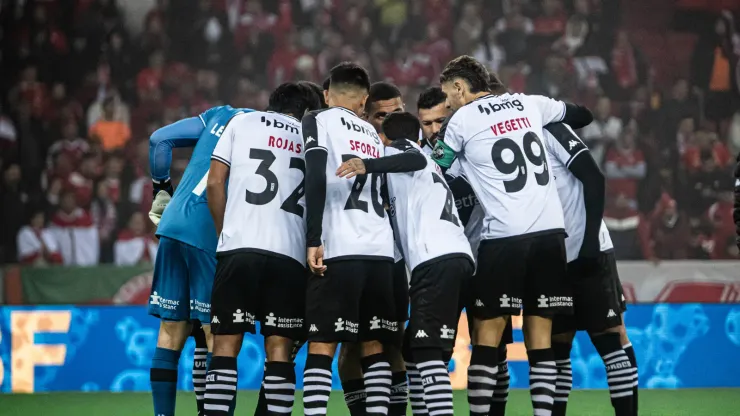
x=84 y=86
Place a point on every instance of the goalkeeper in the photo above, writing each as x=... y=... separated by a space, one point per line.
x=186 y=260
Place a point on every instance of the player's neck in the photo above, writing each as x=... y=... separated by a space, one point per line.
x=347 y=105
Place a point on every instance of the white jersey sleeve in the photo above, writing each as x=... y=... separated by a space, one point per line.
x=551 y=111
x=222 y=151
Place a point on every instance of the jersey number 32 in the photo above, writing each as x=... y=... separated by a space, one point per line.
x=265 y=197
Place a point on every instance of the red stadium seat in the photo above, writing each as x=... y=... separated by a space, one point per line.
x=705 y=292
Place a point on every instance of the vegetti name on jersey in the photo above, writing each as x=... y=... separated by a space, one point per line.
x=564 y=146
x=354 y=222
x=265 y=203
x=497 y=139
x=423 y=212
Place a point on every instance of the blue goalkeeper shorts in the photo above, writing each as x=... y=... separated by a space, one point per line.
x=183 y=279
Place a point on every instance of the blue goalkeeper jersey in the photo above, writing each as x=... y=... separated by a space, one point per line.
x=187 y=218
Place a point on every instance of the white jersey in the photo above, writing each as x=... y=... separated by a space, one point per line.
x=265 y=204
x=423 y=212
x=497 y=139
x=468 y=207
x=354 y=220
x=563 y=147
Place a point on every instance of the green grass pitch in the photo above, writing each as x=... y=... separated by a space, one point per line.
x=685 y=402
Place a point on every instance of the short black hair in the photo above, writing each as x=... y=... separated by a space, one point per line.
x=350 y=74
x=380 y=91
x=316 y=88
x=326 y=83
x=468 y=69
x=401 y=126
x=293 y=98
x=495 y=85
x=431 y=97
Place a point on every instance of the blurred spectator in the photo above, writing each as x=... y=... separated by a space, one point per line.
x=554 y=80
x=707 y=183
x=8 y=138
x=71 y=145
x=708 y=143
x=112 y=134
x=629 y=230
x=513 y=30
x=604 y=130
x=62 y=108
x=96 y=111
x=576 y=29
x=720 y=242
x=624 y=166
x=670 y=230
x=36 y=243
x=134 y=245
x=550 y=24
x=75 y=233
x=627 y=64
x=12 y=210
x=105 y=217
x=469 y=29
x=489 y=52
x=679 y=106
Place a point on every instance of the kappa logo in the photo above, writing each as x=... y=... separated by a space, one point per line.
x=446 y=333
x=238 y=316
x=611 y=313
x=374 y=323
x=421 y=334
x=313 y=328
x=310 y=139
x=215 y=320
x=505 y=301
x=479 y=303
x=542 y=302
x=270 y=319
x=339 y=325
x=572 y=144
x=154 y=299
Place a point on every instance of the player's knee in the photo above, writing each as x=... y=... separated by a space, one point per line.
x=371 y=348
x=349 y=364
x=563 y=337
x=395 y=357
x=537 y=332
x=322 y=348
x=173 y=334
x=227 y=345
x=208 y=336
x=489 y=332
x=278 y=348
x=619 y=329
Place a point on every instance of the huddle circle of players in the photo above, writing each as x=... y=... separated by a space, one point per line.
x=331 y=214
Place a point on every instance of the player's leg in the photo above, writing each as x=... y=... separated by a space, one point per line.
x=501 y=389
x=169 y=302
x=399 y=383
x=201 y=359
x=562 y=342
x=282 y=309
x=261 y=408
x=547 y=293
x=350 y=373
x=496 y=295
x=233 y=312
x=626 y=344
x=434 y=294
x=378 y=327
x=332 y=316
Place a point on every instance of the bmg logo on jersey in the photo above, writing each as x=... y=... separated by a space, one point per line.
x=351 y=126
x=489 y=108
x=279 y=125
x=554 y=301
x=349 y=326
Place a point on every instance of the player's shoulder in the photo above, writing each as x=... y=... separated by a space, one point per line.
x=402 y=145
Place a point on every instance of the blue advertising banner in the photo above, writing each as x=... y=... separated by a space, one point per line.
x=110 y=348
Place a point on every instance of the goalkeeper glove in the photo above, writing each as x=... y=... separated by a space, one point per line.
x=162 y=195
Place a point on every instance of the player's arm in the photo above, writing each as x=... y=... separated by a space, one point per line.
x=409 y=159
x=184 y=133
x=316 y=157
x=578 y=159
x=736 y=210
x=219 y=175
x=460 y=188
x=554 y=111
x=449 y=141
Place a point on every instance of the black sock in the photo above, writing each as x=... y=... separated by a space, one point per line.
x=501 y=389
x=354 y=396
x=435 y=380
x=399 y=394
x=279 y=386
x=199 y=367
x=220 y=386
x=316 y=384
x=261 y=409
x=542 y=378
x=619 y=372
x=377 y=375
x=416 y=390
x=564 y=383
x=482 y=379
x=630 y=351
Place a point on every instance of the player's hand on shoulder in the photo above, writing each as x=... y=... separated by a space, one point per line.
x=315 y=259
x=351 y=168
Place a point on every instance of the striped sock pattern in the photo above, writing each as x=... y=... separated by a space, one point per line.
x=220 y=386
x=399 y=394
x=199 y=376
x=542 y=378
x=377 y=375
x=416 y=390
x=354 y=396
x=279 y=383
x=482 y=374
x=500 y=390
x=564 y=381
x=620 y=375
x=437 y=387
x=635 y=383
x=316 y=384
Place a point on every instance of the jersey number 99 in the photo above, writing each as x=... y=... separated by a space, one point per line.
x=265 y=197
x=519 y=163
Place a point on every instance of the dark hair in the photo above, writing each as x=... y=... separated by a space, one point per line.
x=292 y=98
x=380 y=91
x=316 y=88
x=401 y=126
x=326 y=83
x=495 y=85
x=468 y=69
x=349 y=74
x=430 y=97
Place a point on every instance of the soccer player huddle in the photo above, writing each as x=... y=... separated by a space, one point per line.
x=334 y=216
